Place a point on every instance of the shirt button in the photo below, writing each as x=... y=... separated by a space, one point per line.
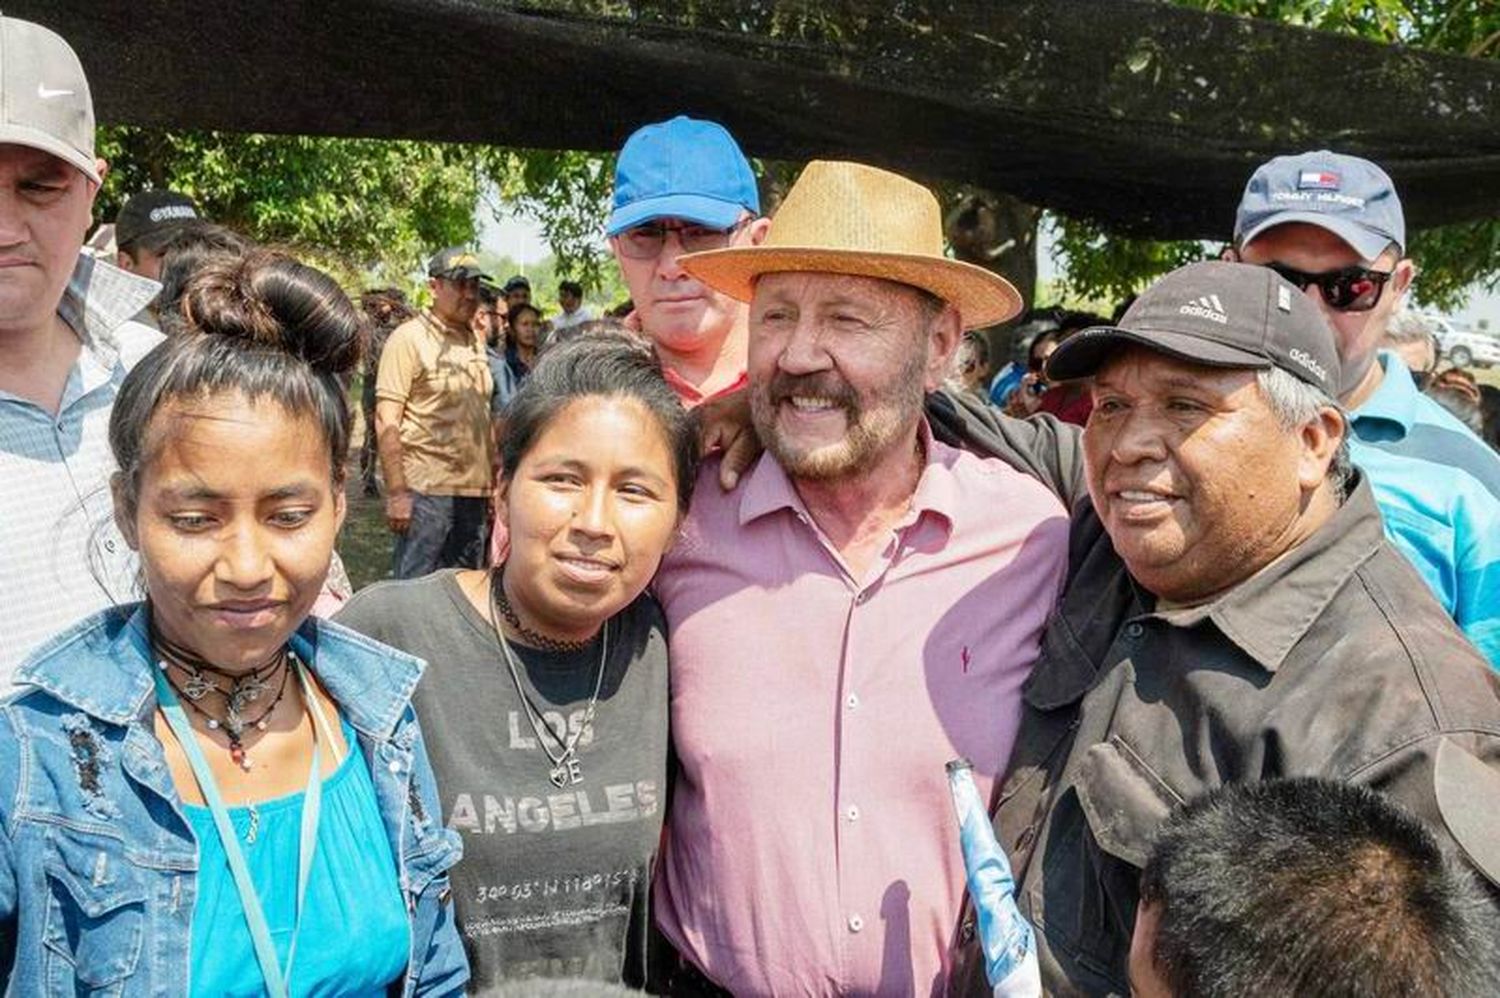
x=862 y=598
x=394 y=765
x=851 y=701
x=852 y=812
x=1134 y=630
x=109 y=546
x=856 y=923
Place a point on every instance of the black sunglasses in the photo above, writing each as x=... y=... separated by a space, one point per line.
x=1348 y=289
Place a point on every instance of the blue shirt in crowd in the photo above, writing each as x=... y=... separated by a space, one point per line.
x=1438 y=487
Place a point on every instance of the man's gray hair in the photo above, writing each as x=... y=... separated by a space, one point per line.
x=1294 y=402
x=1407 y=326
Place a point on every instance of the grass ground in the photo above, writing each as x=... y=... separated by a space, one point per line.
x=365 y=543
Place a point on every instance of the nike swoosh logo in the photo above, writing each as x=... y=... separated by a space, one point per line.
x=46 y=94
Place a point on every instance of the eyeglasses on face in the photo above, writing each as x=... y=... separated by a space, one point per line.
x=1347 y=289
x=644 y=242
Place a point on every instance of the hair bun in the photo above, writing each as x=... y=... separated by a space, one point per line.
x=271 y=299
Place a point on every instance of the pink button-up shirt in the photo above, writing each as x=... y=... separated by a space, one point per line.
x=812 y=846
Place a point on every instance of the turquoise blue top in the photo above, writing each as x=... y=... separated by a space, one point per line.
x=1438 y=487
x=355 y=934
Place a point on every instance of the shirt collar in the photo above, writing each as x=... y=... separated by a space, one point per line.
x=689 y=394
x=102 y=666
x=1268 y=613
x=98 y=300
x=1395 y=400
x=429 y=317
x=768 y=489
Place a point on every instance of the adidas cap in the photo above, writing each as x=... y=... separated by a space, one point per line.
x=1218 y=314
x=44 y=96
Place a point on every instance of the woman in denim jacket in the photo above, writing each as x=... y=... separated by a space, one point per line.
x=211 y=792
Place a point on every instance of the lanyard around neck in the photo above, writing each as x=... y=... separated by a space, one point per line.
x=278 y=980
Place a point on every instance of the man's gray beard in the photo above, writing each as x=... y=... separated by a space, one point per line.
x=862 y=442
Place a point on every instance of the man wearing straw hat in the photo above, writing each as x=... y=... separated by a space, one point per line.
x=833 y=629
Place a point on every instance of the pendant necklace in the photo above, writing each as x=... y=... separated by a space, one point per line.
x=243 y=691
x=567 y=769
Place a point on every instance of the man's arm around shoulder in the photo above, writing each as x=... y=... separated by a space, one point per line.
x=1042 y=447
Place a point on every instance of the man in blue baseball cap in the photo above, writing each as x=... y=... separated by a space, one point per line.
x=1332 y=225
x=683 y=186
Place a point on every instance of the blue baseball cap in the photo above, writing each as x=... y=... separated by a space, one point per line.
x=1348 y=196
x=683 y=168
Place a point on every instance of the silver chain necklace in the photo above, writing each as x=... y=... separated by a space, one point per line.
x=566 y=769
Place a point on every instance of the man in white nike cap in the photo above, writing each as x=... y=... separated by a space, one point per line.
x=66 y=342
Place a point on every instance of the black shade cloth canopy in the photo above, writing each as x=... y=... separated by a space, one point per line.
x=1144 y=117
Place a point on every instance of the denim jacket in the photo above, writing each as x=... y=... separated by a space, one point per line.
x=97 y=862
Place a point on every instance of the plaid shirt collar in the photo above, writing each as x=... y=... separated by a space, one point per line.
x=99 y=299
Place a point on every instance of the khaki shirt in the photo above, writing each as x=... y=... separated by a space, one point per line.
x=441 y=377
x=1334 y=661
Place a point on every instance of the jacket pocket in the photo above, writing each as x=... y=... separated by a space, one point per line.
x=96 y=912
x=1097 y=841
x=1124 y=800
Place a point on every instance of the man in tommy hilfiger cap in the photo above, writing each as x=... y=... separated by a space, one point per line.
x=1332 y=224
x=66 y=342
x=433 y=432
x=682 y=186
x=1233 y=611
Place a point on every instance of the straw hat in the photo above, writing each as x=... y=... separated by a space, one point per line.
x=846 y=218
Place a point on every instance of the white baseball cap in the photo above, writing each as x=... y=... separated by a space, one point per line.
x=44 y=96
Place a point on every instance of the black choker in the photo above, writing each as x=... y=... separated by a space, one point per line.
x=243 y=690
x=532 y=638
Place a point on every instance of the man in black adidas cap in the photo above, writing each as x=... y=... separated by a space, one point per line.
x=1233 y=612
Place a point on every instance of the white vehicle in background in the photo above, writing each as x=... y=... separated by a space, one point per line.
x=1462 y=346
x=1470 y=348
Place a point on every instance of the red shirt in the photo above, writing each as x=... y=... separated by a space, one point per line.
x=692 y=397
x=1069 y=403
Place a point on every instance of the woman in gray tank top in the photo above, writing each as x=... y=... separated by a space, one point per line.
x=545 y=697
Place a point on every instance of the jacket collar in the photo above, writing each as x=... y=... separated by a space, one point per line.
x=102 y=666
x=1268 y=613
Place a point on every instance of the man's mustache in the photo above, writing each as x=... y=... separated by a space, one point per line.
x=784 y=386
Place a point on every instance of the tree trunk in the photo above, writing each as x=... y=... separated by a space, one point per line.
x=997 y=232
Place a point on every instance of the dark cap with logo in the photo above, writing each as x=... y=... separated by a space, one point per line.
x=456 y=264
x=1218 y=314
x=516 y=283
x=153 y=213
x=1348 y=196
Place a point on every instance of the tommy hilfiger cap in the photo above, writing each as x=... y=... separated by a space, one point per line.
x=683 y=168
x=1219 y=314
x=44 y=96
x=1348 y=196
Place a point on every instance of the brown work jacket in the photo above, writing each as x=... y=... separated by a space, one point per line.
x=1334 y=661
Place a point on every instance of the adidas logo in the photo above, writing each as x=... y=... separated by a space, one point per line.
x=1303 y=358
x=1208 y=307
